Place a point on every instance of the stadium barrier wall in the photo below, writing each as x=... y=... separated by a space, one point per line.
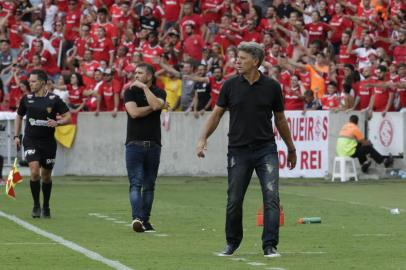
x=99 y=145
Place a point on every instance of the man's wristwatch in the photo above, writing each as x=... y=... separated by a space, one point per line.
x=292 y=150
x=17 y=136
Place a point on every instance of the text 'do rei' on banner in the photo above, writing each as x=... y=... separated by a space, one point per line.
x=310 y=136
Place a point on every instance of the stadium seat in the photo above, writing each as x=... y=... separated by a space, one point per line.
x=341 y=171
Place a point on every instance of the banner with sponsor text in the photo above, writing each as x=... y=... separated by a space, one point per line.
x=310 y=136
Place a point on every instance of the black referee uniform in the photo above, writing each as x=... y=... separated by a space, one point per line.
x=39 y=141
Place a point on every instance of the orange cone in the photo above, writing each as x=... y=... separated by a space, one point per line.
x=260 y=217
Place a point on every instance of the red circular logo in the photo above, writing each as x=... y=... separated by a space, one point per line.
x=386 y=132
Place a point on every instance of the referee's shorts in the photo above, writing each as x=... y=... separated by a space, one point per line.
x=43 y=151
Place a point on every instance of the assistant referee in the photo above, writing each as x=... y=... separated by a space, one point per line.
x=44 y=111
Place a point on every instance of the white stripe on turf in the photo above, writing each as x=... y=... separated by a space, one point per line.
x=256 y=264
x=372 y=234
x=26 y=243
x=340 y=201
x=88 y=253
x=161 y=234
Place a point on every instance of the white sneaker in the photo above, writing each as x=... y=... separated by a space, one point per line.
x=137 y=225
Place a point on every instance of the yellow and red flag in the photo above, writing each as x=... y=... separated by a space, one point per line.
x=14 y=177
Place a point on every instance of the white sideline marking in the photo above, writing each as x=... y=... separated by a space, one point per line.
x=303 y=252
x=120 y=222
x=88 y=253
x=256 y=263
x=372 y=234
x=292 y=252
x=341 y=201
x=27 y=243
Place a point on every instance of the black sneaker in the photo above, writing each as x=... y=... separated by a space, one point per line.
x=46 y=213
x=271 y=252
x=138 y=226
x=388 y=162
x=365 y=166
x=228 y=250
x=148 y=227
x=36 y=212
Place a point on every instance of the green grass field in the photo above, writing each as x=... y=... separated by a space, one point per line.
x=357 y=230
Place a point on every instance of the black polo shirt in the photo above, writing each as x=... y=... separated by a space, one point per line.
x=147 y=128
x=251 y=108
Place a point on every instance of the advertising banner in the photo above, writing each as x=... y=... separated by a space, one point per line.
x=310 y=136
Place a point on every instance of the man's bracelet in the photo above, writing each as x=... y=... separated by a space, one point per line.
x=292 y=151
x=17 y=136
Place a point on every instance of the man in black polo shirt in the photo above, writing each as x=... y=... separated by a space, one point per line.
x=44 y=111
x=252 y=99
x=143 y=103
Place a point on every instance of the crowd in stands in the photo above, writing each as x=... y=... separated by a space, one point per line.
x=336 y=55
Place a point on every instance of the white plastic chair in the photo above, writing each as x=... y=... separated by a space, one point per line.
x=342 y=171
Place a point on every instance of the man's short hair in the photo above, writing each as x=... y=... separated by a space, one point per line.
x=103 y=10
x=382 y=68
x=308 y=93
x=147 y=67
x=42 y=76
x=333 y=83
x=401 y=65
x=354 y=119
x=254 y=49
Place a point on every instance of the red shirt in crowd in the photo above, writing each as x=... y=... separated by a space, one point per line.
x=81 y=44
x=293 y=98
x=330 y=101
x=317 y=31
x=171 y=9
x=194 y=20
x=116 y=13
x=304 y=77
x=149 y=53
x=15 y=92
x=364 y=93
x=110 y=29
x=209 y=17
x=87 y=72
x=346 y=58
x=107 y=91
x=75 y=94
x=101 y=49
x=72 y=20
x=399 y=53
x=402 y=94
x=252 y=36
x=215 y=90
x=193 y=46
x=16 y=30
x=62 y=5
x=381 y=98
x=339 y=24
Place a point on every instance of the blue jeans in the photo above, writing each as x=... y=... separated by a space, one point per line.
x=242 y=162
x=142 y=163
